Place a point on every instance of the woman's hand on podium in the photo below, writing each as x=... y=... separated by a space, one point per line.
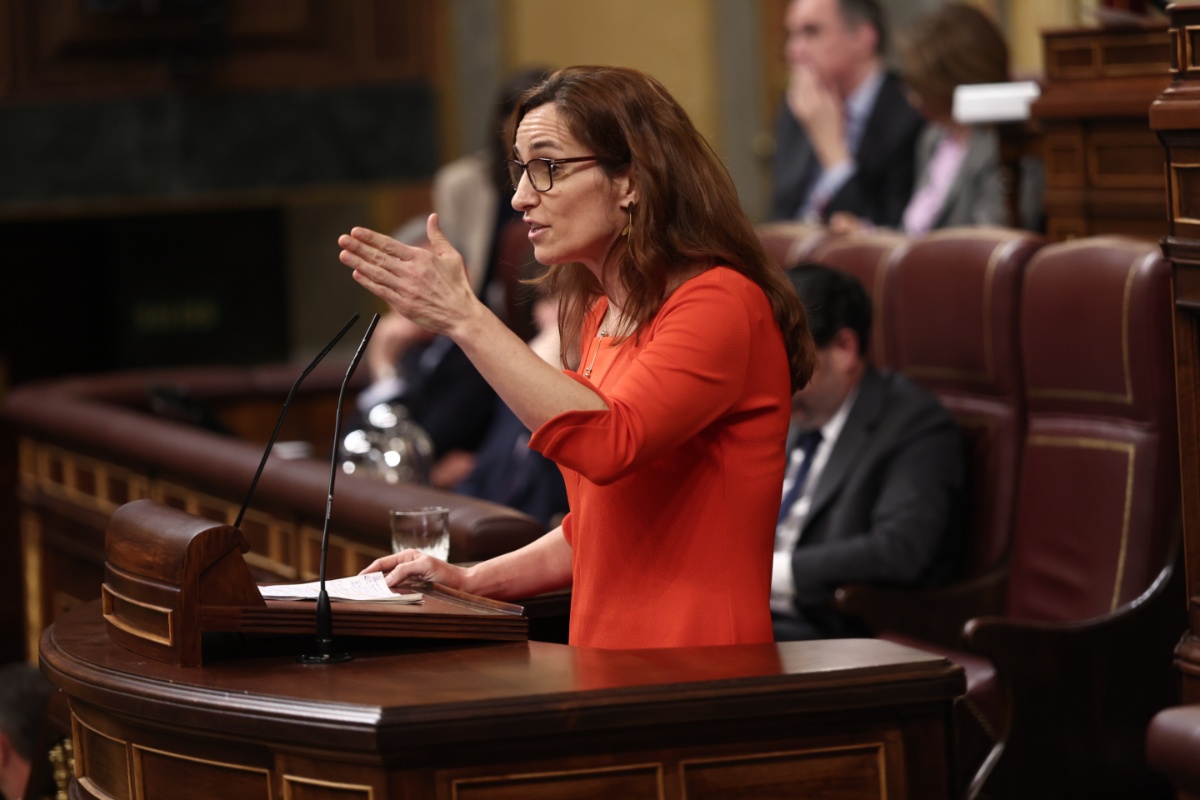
x=413 y=565
x=543 y=565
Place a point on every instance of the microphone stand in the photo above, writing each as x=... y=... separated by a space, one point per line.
x=283 y=413
x=324 y=653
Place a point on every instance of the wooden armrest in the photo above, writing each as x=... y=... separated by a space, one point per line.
x=936 y=615
x=1035 y=650
x=1080 y=691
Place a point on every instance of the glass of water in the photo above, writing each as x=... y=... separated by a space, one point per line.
x=425 y=529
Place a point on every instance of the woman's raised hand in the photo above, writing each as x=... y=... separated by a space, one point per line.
x=428 y=285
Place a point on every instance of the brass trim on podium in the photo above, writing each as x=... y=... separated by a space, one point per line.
x=111 y=597
x=359 y=789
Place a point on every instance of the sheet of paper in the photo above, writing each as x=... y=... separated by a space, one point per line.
x=371 y=587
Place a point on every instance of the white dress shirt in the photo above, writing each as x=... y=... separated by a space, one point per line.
x=787 y=534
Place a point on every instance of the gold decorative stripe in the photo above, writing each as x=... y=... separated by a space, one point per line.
x=989 y=281
x=31 y=558
x=140 y=749
x=877 y=748
x=288 y=780
x=1126 y=397
x=857 y=747
x=1187 y=46
x=81 y=757
x=877 y=290
x=1176 y=169
x=1117 y=447
x=95 y=791
x=656 y=767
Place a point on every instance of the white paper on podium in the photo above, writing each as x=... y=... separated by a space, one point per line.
x=369 y=588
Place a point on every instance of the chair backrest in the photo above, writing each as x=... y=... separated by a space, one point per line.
x=868 y=256
x=953 y=302
x=1099 y=479
x=789 y=243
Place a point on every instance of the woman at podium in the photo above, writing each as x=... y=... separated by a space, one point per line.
x=683 y=345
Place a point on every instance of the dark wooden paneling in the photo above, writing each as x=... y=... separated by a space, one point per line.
x=65 y=48
x=1104 y=172
x=7 y=56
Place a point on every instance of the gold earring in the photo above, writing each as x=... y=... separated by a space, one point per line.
x=628 y=225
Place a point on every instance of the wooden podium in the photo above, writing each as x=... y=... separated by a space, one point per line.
x=419 y=717
x=453 y=720
x=170 y=577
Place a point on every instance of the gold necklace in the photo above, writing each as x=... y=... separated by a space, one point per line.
x=587 y=372
x=600 y=334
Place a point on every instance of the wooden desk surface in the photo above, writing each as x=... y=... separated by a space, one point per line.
x=515 y=700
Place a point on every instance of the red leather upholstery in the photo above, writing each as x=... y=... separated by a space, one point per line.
x=1099 y=483
x=868 y=256
x=953 y=299
x=1076 y=339
x=790 y=243
x=1083 y=650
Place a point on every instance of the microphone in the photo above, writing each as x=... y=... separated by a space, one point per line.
x=283 y=413
x=325 y=654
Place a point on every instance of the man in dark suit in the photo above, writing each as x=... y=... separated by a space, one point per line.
x=875 y=486
x=846 y=136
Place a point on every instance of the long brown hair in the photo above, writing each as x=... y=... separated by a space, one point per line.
x=687 y=217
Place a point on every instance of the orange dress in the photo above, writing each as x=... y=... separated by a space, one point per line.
x=674 y=490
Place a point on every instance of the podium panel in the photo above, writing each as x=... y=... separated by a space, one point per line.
x=494 y=720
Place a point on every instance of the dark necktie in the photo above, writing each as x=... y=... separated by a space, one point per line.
x=807 y=444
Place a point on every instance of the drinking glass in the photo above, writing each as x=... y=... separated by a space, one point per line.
x=425 y=529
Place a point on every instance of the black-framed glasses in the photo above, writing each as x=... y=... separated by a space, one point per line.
x=540 y=170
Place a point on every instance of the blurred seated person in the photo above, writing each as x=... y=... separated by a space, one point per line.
x=875 y=484
x=24 y=697
x=471 y=197
x=505 y=470
x=439 y=386
x=430 y=375
x=959 y=176
x=845 y=135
